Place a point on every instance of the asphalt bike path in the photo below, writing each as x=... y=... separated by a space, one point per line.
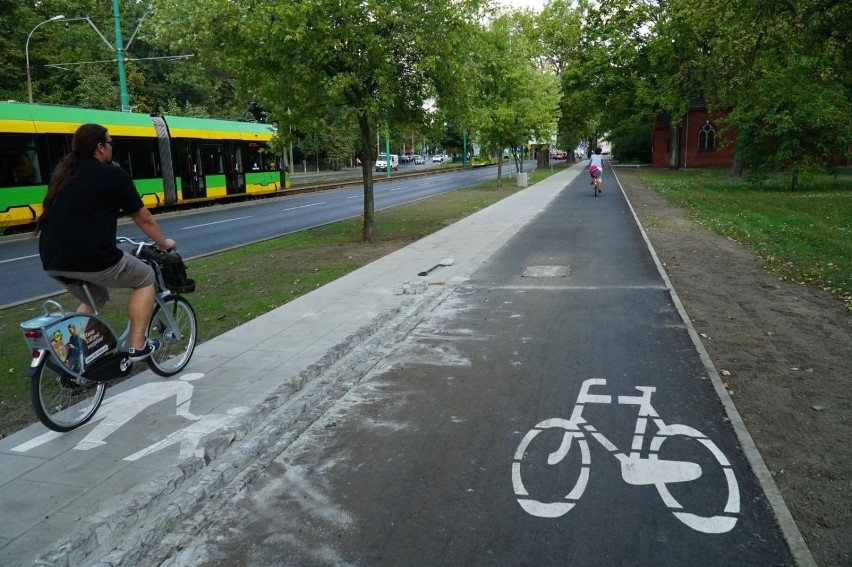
x=541 y=401
x=439 y=454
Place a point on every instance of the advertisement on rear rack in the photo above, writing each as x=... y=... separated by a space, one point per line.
x=80 y=341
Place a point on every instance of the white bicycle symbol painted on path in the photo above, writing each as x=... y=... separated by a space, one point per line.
x=635 y=469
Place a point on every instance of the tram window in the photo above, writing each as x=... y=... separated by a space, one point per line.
x=58 y=146
x=269 y=160
x=20 y=163
x=251 y=156
x=139 y=157
x=213 y=159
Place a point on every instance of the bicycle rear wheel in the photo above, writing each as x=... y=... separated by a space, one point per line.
x=61 y=401
x=176 y=344
x=535 y=463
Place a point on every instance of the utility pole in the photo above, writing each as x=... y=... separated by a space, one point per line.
x=119 y=52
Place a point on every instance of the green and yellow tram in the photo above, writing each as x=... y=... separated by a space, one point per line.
x=171 y=159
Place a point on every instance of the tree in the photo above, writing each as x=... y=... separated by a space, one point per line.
x=378 y=59
x=557 y=30
x=781 y=70
x=518 y=102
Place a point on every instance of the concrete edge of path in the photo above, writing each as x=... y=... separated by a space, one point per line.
x=798 y=547
x=123 y=533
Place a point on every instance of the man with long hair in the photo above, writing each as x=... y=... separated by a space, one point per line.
x=77 y=230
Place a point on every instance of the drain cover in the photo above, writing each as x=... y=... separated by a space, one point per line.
x=545 y=272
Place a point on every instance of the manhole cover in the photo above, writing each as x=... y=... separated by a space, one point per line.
x=545 y=272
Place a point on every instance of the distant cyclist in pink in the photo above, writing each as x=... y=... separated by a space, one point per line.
x=596 y=168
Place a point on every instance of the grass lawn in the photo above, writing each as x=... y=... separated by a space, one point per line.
x=804 y=236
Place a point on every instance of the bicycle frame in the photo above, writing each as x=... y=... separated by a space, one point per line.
x=635 y=469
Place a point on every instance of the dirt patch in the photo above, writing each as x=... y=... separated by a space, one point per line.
x=788 y=349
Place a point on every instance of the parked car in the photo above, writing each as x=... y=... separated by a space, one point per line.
x=406 y=158
x=419 y=160
x=382 y=162
x=438 y=158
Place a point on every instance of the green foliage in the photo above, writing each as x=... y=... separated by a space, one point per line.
x=781 y=69
x=71 y=65
x=517 y=101
x=631 y=142
x=557 y=31
x=95 y=88
x=786 y=81
x=377 y=59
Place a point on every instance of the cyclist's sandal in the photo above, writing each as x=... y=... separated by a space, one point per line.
x=145 y=352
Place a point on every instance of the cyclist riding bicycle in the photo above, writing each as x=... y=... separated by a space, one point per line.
x=78 y=226
x=596 y=168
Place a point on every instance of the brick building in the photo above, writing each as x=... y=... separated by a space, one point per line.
x=696 y=142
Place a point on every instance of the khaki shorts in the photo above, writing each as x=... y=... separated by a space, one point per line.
x=129 y=272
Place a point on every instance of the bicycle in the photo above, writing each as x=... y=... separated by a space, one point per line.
x=68 y=381
x=596 y=182
x=636 y=470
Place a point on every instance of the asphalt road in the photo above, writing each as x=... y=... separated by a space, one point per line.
x=206 y=231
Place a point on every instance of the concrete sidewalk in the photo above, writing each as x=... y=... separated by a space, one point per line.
x=150 y=454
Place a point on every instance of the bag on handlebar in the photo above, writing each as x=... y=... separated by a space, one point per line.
x=171 y=266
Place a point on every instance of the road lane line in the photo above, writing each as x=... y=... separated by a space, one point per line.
x=19 y=258
x=304 y=206
x=217 y=222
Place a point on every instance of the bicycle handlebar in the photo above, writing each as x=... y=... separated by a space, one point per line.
x=138 y=243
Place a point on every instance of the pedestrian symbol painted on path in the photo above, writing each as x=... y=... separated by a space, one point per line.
x=118 y=410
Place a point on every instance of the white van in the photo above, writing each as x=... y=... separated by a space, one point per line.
x=382 y=162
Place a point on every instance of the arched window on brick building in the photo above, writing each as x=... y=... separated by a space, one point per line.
x=707 y=138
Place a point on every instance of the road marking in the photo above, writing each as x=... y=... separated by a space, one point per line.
x=20 y=258
x=118 y=410
x=304 y=206
x=217 y=222
x=636 y=469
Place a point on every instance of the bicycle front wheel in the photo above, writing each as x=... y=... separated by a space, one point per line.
x=709 y=504
x=176 y=343
x=61 y=401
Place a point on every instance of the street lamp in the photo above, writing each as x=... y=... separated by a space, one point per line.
x=27 y=52
x=125 y=105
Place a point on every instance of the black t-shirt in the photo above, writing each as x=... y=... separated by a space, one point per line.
x=79 y=233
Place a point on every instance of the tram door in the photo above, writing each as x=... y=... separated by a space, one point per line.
x=235 y=179
x=191 y=173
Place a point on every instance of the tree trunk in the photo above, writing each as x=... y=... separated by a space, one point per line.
x=500 y=170
x=674 y=153
x=367 y=161
x=795 y=182
x=737 y=166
